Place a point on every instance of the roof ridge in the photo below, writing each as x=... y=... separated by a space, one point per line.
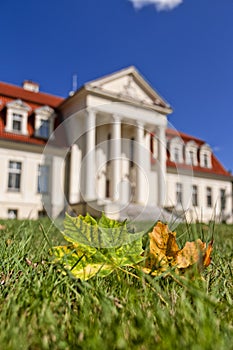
x=14 y=86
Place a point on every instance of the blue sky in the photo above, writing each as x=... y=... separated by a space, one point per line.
x=183 y=48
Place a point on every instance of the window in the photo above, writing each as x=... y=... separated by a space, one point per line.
x=44 y=121
x=14 y=176
x=191 y=153
x=17 y=117
x=107 y=192
x=109 y=148
x=205 y=156
x=42 y=213
x=17 y=122
x=132 y=152
x=43 y=179
x=191 y=157
x=44 y=129
x=209 y=197
x=195 y=196
x=223 y=199
x=176 y=155
x=12 y=213
x=176 y=146
x=205 y=160
x=179 y=193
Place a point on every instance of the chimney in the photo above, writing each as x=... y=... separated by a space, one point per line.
x=31 y=86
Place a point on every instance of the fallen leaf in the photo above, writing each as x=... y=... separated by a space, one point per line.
x=164 y=252
x=192 y=253
x=207 y=258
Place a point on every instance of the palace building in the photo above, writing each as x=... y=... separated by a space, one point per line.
x=107 y=147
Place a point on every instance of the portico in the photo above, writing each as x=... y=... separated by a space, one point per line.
x=122 y=112
x=128 y=136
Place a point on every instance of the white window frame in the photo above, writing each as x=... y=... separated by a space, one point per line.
x=191 y=148
x=205 y=156
x=179 y=193
x=223 y=199
x=176 y=150
x=195 y=200
x=43 y=186
x=44 y=113
x=18 y=118
x=17 y=108
x=14 y=175
x=209 y=197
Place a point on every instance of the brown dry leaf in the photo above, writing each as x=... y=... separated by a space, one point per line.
x=192 y=253
x=207 y=258
x=2 y=227
x=163 y=241
x=163 y=249
x=164 y=252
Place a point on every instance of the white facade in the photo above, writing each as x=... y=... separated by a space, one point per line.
x=110 y=123
x=196 y=203
x=30 y=177
x=119 y=157
x=23 y=193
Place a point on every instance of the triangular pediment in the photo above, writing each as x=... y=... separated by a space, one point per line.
x=18 y=104
x=130 y=85
x=44 y=110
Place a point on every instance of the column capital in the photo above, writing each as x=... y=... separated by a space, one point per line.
x=90 y=111
x=140 y=124
x=160 y=128
x=116 y=118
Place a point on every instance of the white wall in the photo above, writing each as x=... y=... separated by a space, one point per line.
x=201 y=212
x=28 y=202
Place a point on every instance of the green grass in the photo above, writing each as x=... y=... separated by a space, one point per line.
x=43 y=308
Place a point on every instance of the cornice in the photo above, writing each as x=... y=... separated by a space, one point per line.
x=119 y=98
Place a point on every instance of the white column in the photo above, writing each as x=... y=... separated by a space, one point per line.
x=162 y=167
x=116 y=157
x=140 y=190
x=90 y=166
x=74 y=185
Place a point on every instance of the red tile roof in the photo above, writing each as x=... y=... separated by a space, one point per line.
x=9 y=92
x=170 y=133
x=216 y=169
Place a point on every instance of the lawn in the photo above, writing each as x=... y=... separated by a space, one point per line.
x=43 y=308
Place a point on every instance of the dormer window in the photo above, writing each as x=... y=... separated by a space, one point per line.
x=191 y=153
x=176 y=150
x=44 y=129
x=44 y=122
x=205 y=156
x=17 y=122
x=176 y=154
x=17 y=116
x=205 y=160
x=191 y=157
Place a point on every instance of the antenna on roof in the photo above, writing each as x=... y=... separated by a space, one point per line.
x=74 y=84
